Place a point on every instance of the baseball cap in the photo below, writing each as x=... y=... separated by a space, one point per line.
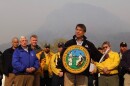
x=123 y=44
x=47 y=45
x=60 y=44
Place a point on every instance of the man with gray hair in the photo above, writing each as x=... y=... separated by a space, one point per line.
x=108 y=68
x=7 y=63
x=25 y=63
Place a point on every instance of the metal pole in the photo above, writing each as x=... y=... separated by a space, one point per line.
x=74 y=79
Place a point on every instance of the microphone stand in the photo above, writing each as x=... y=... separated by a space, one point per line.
x=102 y=58
x=74 y=79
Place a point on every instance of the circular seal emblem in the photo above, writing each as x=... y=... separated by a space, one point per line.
x=76 y=59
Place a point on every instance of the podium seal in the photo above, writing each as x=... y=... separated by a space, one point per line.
x=76 y=59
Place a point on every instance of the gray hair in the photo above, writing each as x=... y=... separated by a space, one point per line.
x=22 y=37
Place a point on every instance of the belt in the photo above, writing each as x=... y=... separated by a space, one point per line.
x=24 y=74
x=108 y=74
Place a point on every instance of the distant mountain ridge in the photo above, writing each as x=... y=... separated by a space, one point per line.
x=115 y=40
x=101 y=25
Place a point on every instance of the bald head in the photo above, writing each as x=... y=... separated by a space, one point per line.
x=15 y=42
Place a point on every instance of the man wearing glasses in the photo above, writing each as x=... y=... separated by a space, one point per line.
x=109 y=67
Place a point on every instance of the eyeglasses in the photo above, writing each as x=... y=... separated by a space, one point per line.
x=105 y=47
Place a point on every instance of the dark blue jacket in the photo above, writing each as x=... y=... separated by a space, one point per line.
x=125 y=61
x=23 y=59
x=94 y=53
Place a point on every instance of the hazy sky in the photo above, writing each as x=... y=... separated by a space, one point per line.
x=21 y=17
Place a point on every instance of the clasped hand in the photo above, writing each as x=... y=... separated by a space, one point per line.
x=30 y=70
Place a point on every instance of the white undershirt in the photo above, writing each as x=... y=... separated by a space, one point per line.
x=79 y=42
x=26 y=49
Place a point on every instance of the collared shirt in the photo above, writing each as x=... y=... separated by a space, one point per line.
x=26 y=49
x=45 y=61
x=111 y=63
x=120 y=54
x=54 y=63
x=79 y=42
